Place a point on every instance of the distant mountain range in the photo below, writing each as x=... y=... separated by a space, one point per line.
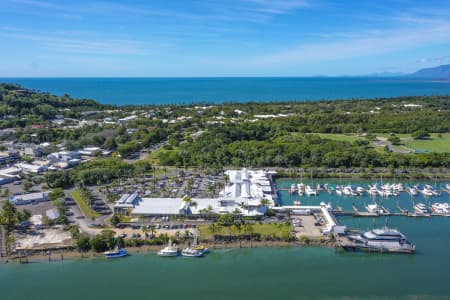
x=440 y=72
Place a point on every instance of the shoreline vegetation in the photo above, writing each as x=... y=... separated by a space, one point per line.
x=71 y=254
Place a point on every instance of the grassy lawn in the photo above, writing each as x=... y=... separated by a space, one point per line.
x=278 y=230
x=125 y=219
x=154 y=155
x=87 y=211
x=434 y=144
x=340 y=137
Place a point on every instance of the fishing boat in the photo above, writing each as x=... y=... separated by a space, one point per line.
x=116 y=253
x=169 y=251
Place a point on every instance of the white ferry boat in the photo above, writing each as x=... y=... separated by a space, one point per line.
x=381 y=240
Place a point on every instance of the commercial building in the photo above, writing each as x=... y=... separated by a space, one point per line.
x=29 y=198
x=247 y=192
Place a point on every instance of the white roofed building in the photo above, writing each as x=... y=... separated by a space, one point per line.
x=244 y=192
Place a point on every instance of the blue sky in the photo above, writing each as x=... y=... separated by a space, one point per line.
x=41 y=38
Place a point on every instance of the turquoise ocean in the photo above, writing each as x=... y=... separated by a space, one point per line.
x=218 y=90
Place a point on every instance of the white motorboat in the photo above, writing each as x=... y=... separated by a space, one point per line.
x=360 y=190
x=339 y=190
x=421 y=209
x=191 y=252
x=169 y=251
x=440 y=208
x=374 y=209
x=412 y=191
x=309 y=191
x=301 y=189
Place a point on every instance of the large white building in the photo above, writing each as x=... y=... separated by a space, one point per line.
x=247 y=192
x=29 y=198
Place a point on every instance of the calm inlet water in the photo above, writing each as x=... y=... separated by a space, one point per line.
x=217 y=90
x=270 y=273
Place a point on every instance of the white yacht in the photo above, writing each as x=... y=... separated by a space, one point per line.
x=309 y=191
x=373 y=190
x=383 y=239
x=447 y=187
x=374 y=209
x=348 y=191
x=301 y=189
x=360 y=190
x=169 y=251
x=440 y=208
x=191 y=252
x=292 y=190
x=339 y=190
x=412 y=191
x=421 y=209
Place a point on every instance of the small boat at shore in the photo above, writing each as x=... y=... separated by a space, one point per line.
x=201 y=248
x=169 y=251
x=116 y=253
x=191 y=252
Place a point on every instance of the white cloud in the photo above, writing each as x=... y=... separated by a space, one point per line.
x=94 y=45
x=350 y=45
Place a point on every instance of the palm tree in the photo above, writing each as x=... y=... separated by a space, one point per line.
x=211 y=189
x=214 y=229
x=226 y=178
x=189 y=202
x=238 y=229
x=249 y=230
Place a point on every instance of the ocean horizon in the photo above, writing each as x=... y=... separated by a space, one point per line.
x=216 y=90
